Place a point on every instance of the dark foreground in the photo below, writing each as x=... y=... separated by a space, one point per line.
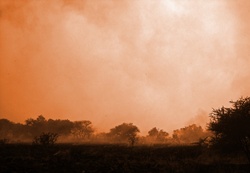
x=116 y=158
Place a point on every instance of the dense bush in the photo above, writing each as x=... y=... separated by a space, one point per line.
x=231 y=126
x=46 y=139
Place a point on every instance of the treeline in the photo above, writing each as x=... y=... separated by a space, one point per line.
x=83 y=131
x=228 y=131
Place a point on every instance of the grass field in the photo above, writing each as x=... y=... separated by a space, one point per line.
x=116 y=158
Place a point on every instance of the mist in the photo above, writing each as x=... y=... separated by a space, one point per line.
x=154 y=63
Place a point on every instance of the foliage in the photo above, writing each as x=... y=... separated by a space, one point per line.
x=26 y=132
x=82 y=129
x=189 y=134
x=157 y=136
x=231 y=126
x=40 y=124
x=125 y=132
x=46 y=139
x=5 y=128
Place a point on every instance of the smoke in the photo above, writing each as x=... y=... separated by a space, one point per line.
x=201 y=118
x=153 y=63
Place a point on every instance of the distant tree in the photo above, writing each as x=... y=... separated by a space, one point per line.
x=189 y=134
x=36 y=126
x=158 y=136
x=30 y=122
x=6 y=127
x=162 y=136
x=82 y=129
x=153 y=132
x=126 y=132
x=12 y=131
x=19 y=132
x=46 y=139
x=231 y=126
x=62 y=127
x=41 y=119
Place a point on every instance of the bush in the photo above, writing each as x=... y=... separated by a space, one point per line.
x=231 y=127
x=46 y=139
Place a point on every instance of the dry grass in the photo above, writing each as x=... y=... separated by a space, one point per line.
x=116 y=158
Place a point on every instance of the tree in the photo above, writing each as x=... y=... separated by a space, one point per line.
x=82 y=129
x=156 y=135
x=6 y=127
x=189 y=134
x=62 y=127
x=231 y=126
x=36 y=126
x=125 y=132
x=153 y=132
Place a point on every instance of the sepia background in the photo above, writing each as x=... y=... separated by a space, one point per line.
x=158 y=63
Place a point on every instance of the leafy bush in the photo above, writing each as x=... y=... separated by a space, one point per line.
x=231 y=126
x=125 y=132
x=46 y=139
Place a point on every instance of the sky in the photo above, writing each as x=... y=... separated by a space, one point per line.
x=154 y=63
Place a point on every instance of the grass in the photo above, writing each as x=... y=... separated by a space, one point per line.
x=116 y=158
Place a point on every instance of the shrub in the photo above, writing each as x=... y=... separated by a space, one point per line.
x=46 y=139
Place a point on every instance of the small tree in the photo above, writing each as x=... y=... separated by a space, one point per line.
x=158 y=136
x=125 y=132
x=189 y=134
x=231 y=126
x=46 y=139
x=153 y=132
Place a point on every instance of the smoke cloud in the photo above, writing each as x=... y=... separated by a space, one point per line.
x=153 y=63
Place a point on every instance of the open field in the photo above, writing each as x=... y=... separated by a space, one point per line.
x=116 y=158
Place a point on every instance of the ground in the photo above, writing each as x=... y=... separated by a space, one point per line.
x=90 y=158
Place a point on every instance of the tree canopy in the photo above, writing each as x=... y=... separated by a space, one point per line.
x=231 y=126
x=125 y=132
x=158 y=136
x=189 y=134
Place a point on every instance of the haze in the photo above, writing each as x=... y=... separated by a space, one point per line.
x=162 y=63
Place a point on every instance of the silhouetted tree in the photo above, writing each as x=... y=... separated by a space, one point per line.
x=36 y=126
x=6 y=127
x=62 y=127
x=46 y=139
x=153 y=132
x=158 y=136
x=189 y=134
x=125 y=132
x=231 y=126
x=82 y=129
x=12 y=131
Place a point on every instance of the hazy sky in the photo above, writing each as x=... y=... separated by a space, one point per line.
x=163 y=63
